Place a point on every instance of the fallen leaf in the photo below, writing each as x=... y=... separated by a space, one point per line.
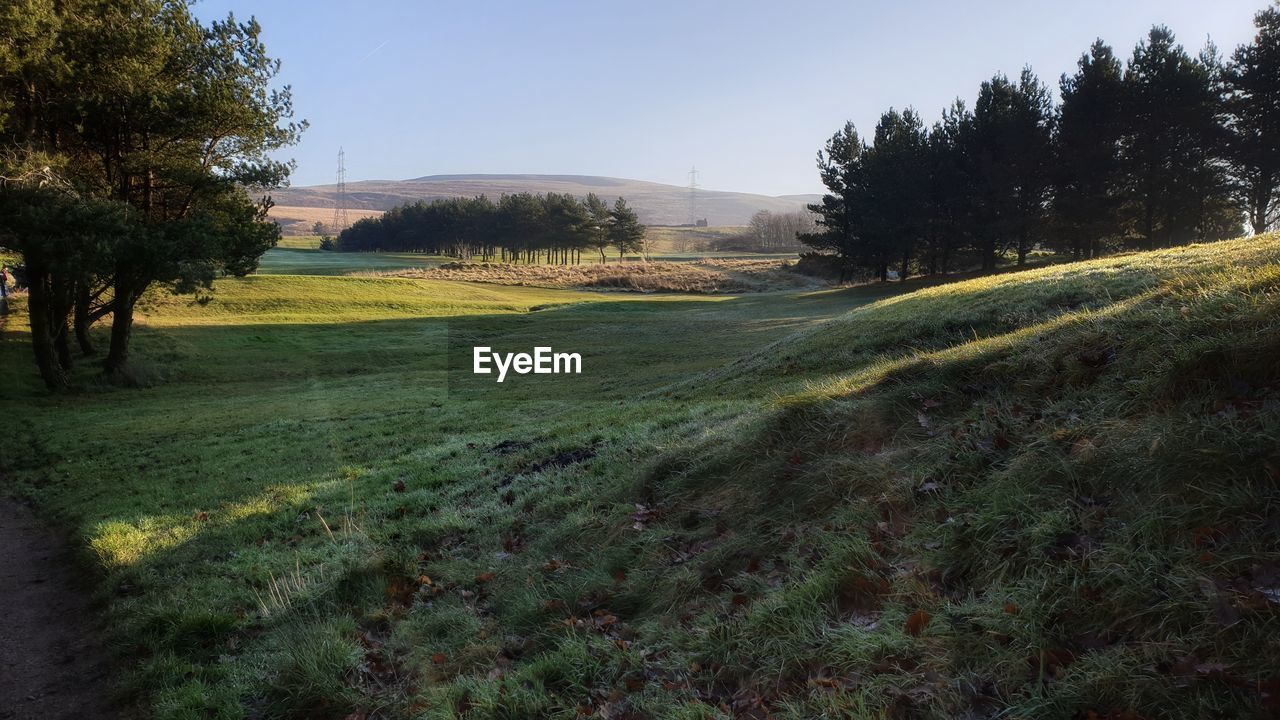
x=484 y=577
x=202 y=516
x=399 y=486
x=1010 y=609
x=917 y=622
x=438 y=658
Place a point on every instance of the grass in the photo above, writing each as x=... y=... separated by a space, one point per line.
x=667 y=239
x=704 y=276
x=302 y=257
x=1039 y=494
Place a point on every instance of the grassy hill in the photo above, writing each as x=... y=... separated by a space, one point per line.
x=1051 y=493
x=656 y=203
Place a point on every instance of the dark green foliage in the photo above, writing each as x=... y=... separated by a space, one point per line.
x=1253 y=83
x=137 y=104
x=520 y=228
x=1165 y=150
x=625 y=231
x=840 y=166
x=1010 y=147
x=1176 y=185
x=1087 y=180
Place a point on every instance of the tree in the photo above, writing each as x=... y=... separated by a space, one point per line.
x=136 y=103
x=1253 y=84
x=59 y=234
x=838 y=213
x=1177 y=185
x=625 y=231
x=1011 y=144
x=598 y=234
x=948 y=188
x=893 y=196
x=771 y=232
x=1087 y=181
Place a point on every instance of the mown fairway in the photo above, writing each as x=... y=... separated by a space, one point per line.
x=296 y=258
x=1035 y=492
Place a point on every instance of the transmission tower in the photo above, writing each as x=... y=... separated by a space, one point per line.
x=340 y=221
x=693 y=195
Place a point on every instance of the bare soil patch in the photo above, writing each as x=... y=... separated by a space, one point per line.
x=51 y=665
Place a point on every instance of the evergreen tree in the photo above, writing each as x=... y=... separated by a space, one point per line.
x=625 y=231
x=598 y=233
x=1087 y=194
x=1253 y=85
x=1011 y=142
x=135 y=102
x=948 y=189
x=838 y=213
x=892 y=194
x=1178 y=188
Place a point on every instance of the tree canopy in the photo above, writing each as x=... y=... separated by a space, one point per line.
x=1164 y=149
x=154 y=128
x=521 y=227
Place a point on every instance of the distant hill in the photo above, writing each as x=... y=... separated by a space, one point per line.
x=656 y=203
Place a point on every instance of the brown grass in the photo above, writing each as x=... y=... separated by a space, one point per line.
x=703 y=277
x=295 y=220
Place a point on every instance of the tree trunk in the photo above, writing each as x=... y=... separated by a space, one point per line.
x=121 y=329
x=62 y=344
x=1261 y=205
x=82 y=321
x=42 y=340
x=989 y=255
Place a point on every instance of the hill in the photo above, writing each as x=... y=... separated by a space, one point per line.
x=1047 y=494
x=656 y=203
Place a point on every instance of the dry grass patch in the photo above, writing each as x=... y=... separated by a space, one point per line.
x=296 y=220
x=704 y=277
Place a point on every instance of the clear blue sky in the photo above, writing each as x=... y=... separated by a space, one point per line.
x=746 y=90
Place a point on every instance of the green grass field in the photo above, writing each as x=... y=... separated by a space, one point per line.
x=1036 y=494
x=285 y=260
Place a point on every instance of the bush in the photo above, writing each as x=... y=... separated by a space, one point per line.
x=819 y=265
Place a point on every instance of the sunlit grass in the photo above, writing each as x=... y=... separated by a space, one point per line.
x=1052 y=461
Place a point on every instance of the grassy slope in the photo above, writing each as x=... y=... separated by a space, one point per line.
x=1070 y=472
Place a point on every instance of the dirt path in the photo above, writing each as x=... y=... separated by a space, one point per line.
x=50 y=666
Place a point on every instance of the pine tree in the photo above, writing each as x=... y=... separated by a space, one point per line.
x=948 y=189
x=625 y=231
x=1087 y=181
x=1011 y=144
x=599 y=231
x=893 y=194
x=1178 y=189
x=838 y=213
x=1253 y=84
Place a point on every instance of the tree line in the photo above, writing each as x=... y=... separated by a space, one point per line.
x=130 y=137
x=1164 y=149
x=777 y=232
x=522 y=227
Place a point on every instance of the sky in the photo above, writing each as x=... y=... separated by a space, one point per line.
x=747 y=91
